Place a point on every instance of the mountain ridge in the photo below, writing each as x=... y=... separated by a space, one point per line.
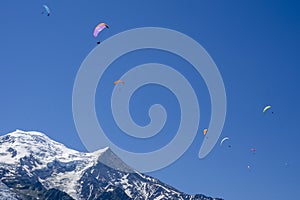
x=32 y=164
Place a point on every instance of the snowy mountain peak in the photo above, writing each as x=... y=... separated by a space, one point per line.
x=34 y=166
x=35 y=151
x=21 y=136
x=20 y=144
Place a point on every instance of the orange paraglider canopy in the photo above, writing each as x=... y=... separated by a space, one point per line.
x=118 y=81
x=204 y=131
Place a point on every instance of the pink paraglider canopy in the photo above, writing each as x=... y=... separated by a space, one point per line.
x=99 y=28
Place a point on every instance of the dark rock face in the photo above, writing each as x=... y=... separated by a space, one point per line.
x=28 y=187
x=12 y=151
x=103 y=182
x=114 y=193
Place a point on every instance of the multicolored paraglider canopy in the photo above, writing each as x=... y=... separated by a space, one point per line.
x=99 y=28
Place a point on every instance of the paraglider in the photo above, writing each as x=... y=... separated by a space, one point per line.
x=253 y=150
x=286 y=164
x=47 y=10
x=266 y=108
x=119 y=81
x=99 y=28
x=249 y=167
x=204 y=131
x=226 y=138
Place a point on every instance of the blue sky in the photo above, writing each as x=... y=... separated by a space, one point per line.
x=255 y=44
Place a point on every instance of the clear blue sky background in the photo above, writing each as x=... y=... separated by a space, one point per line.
x=255 y=44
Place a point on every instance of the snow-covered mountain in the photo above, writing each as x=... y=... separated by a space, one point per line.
x=32 y=166
x=7 y=193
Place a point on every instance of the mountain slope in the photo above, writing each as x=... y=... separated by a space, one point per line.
x=35 y=167
x=7 y=193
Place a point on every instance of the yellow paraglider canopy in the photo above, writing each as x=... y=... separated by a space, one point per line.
x=266 y=108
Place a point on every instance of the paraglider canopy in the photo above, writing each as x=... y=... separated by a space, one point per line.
x=47 y=10
x=204 y=131
x=118 y=81
x=223 y=140
x=266 y=108
x=99 y=28
x=253 y=150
